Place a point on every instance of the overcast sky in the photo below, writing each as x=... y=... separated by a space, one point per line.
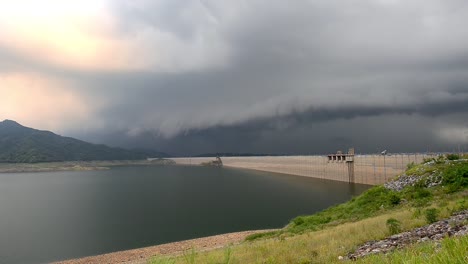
x=265 y=76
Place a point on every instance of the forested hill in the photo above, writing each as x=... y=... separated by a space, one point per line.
x=19 y=144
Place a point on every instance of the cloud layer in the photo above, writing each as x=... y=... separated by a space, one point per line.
x=189 y=71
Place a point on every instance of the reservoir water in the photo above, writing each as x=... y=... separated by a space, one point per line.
x=55 y=216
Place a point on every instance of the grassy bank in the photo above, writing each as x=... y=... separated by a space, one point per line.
x=336 y=231
x=451 y=250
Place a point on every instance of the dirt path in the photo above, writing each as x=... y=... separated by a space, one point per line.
x=142 y=255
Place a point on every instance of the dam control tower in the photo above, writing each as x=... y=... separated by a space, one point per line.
x=346 y=159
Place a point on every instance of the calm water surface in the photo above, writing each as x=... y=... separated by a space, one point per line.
x=60 y=215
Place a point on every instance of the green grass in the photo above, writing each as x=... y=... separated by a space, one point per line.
x=368 y=204
x=373 y=215
x=450 y=250
x=326 y=245
x=161 y=260
x=374 y=201
x=394 y=226
x=455 y=176
x=378 y=199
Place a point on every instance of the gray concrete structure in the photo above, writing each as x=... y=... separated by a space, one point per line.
x=366 y=169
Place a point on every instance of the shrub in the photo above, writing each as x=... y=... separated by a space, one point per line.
x=311 y=222
x=298 y=221
x=411 y=165
x=455 y=178
x=394 y=226
x=422 y=193
x=394 y=199
x=440 y=159
x=453 y=157
x=417 y=192
x=431 y=215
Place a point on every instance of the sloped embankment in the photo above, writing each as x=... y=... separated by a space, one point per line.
x=453 y=226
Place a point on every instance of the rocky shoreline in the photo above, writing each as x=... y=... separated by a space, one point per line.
x=142 y=255
x=453 y=226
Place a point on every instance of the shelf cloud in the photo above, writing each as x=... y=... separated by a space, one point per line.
x=194 y=76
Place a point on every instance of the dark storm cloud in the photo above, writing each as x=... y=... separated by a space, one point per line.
x=397 y=133
x=239 y=75
x=310 y=54
x=317 y=132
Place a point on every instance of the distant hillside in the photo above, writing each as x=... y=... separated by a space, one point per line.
x=19 y=144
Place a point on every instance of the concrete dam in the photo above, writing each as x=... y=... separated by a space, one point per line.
x=364 y=169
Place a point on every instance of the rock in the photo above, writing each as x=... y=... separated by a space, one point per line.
x=455 y=225
x=404 y=180
x=424 y=239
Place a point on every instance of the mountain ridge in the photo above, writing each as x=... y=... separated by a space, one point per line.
x=21 y=144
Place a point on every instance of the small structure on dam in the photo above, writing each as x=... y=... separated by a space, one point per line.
x=344 y=158
x=218 y=162
x=340 y=157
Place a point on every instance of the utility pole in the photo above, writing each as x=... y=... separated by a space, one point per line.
x=466 y=137
x=385 y=167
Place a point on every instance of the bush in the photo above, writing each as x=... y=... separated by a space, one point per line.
x=455 y=178
x=453 y=157
x=440 y=159
x=311 y=222
x=298 y=221
x=418 y=195
x=431 y=215
x=411 y=165
x=417 y=192
x=394 y=226
x=394 y=199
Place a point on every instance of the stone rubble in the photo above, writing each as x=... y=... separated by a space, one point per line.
x=454 y=226
x=403 y=181
x=410 y=180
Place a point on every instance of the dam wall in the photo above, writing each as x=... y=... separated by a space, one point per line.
x=365 y=169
